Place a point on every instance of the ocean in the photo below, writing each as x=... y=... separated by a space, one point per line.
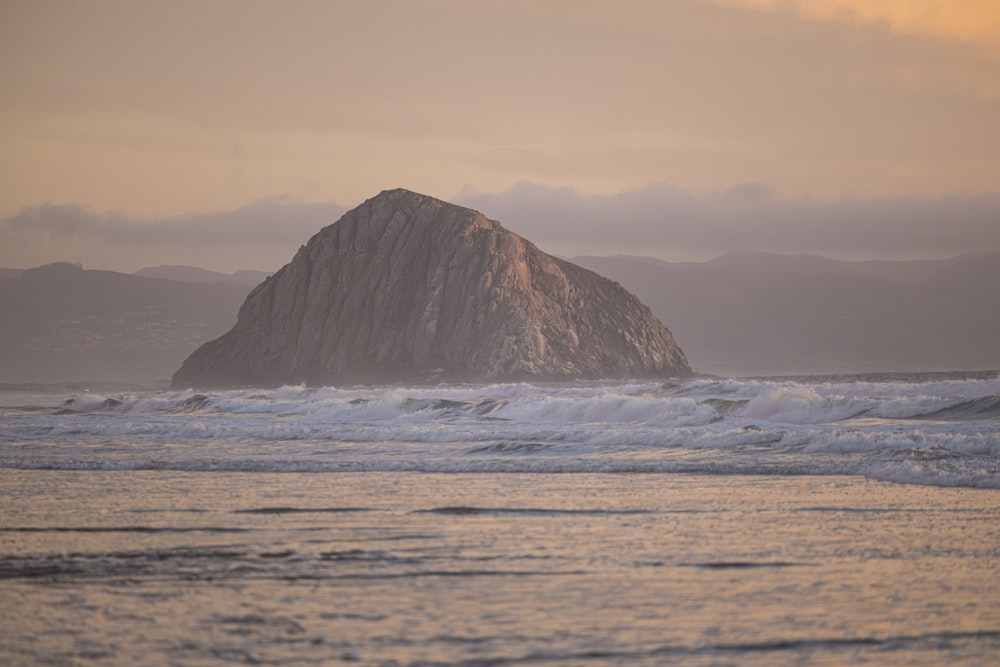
x=832 y=520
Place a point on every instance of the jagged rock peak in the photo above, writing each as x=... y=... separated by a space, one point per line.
x=409 y=288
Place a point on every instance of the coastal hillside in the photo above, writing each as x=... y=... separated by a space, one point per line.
x=756 y=313
x=740 y=314
x=63 y=323
x=193 y=274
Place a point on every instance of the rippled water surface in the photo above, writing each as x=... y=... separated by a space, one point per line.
x=144 y=567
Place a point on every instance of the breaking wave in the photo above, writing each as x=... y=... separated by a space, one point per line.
x=934 y=429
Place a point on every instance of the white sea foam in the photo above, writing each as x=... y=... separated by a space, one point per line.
x=931 y=429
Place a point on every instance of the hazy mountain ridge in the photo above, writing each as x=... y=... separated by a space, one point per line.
x=763 y=313
x=193 y=274
x=763 y=318
x=64 y=323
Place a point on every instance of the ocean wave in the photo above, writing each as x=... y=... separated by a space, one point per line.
x=936 y=430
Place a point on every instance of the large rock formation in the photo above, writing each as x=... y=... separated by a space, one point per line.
x=408 y=288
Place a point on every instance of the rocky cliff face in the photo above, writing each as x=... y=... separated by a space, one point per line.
x=408 y=288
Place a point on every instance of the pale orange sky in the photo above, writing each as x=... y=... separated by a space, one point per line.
x=975 y=22
x=157 y=109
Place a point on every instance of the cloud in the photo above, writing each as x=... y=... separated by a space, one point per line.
x=659 y=220
x=671 y=223
x=263 y=235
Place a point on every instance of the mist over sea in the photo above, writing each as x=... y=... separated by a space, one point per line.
x=824 y=520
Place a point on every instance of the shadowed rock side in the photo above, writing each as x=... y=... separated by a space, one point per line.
x=410 y=288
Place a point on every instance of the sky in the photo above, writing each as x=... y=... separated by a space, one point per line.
x=224 y=133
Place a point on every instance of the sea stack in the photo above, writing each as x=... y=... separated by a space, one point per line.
x=409 y=288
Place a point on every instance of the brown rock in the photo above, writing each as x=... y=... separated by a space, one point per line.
x=408 y=288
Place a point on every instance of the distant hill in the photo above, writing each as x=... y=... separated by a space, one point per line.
x=919 y=272
x=62 y=323
x=192 y=274
x=763 y=314
x=739 y=314
x=975 y=272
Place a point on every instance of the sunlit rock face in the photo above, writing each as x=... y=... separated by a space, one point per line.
x=408 y=288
